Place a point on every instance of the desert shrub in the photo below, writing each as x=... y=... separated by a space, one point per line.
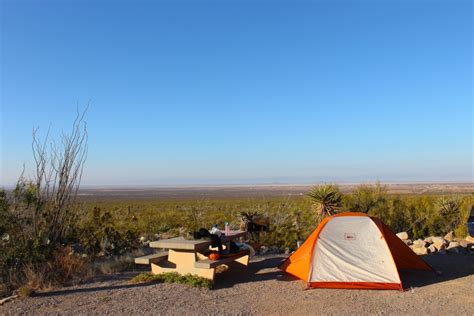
x=34 y=260
x=5 y=220
x=425 y=215
x=366 y=198
x=288 y=228
x=99 y=233
x=39 y=214
x=63 y=266
x=418 y=212
x=461 y=229
x=449 y=209
x=290 y=221
x=5 y=223
x=397 y=215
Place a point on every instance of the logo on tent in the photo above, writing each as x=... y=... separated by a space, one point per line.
x=350 y=236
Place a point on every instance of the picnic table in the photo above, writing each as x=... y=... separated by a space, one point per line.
x=186 y=256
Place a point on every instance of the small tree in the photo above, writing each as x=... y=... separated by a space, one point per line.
x=325 y=198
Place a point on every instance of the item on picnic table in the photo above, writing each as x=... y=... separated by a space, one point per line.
x=215 y=240
x=214 y=256
x=215 y=230
x=227 y=229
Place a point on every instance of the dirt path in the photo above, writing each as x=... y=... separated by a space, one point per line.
x=264 y=289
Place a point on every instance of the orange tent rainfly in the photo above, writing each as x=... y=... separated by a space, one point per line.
x=353 y=251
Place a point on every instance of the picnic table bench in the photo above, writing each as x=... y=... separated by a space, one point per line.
x=186 y=256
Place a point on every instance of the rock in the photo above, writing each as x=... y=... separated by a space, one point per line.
x=440 y=246
x=403 y=235
x=428 y=240
x=419 y=250
x=287 y=251
x=263 y=250
x=449 y=236
x=453 y=244
x=437 y=239
x=432 y=249
x=470 y=239
x=408 y=242
x=463 y=243
x=419 y=243
x=142 y=239
x=439 y=243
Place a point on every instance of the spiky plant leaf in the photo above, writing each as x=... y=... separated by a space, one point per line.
x=326 y=198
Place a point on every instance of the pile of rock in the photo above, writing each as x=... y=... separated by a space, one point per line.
x=441 y=245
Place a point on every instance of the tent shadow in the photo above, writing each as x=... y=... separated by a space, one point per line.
x=262 y=270
x=446 y=267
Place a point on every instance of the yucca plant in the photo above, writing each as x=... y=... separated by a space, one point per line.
x=326 y=198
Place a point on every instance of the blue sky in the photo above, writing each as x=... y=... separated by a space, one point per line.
x=198 y=92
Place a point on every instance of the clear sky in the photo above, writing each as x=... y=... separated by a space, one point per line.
x=197 y=92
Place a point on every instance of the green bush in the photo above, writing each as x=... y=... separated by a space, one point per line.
x=366 y=198
x=100 y=233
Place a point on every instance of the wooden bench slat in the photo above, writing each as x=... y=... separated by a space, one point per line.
x=153 y=258
x=208 y=263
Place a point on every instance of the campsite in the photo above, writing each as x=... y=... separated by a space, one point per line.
x=262 y=157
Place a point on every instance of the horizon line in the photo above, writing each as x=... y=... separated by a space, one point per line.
x=210 y=185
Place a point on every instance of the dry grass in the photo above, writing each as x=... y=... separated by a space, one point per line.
x=64 y=268
x=188 y=279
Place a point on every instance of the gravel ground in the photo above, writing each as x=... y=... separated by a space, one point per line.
x=263 y=289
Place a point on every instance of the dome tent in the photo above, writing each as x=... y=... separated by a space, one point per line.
x=354 y=251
